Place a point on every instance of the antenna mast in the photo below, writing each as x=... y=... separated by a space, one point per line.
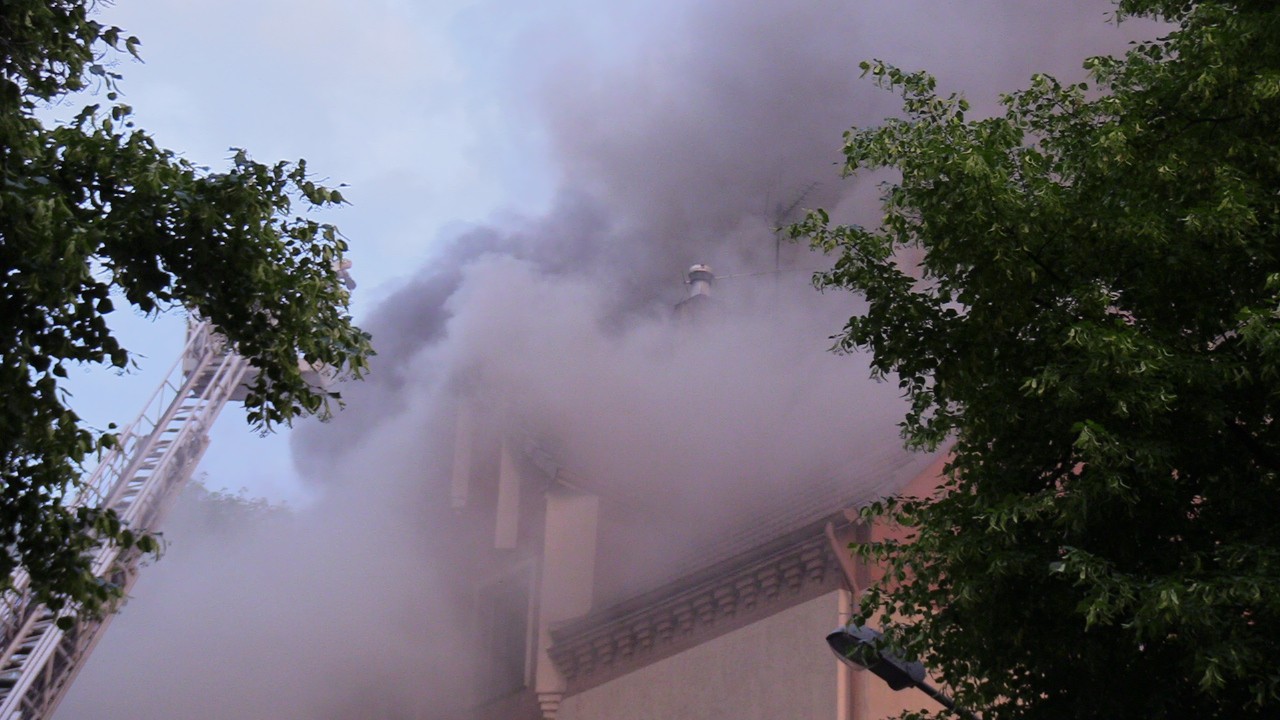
x=780 y=217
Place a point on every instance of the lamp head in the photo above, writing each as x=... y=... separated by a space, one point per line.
x=858 y=646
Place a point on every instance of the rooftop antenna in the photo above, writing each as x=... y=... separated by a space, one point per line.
x=700 y=277
x=782 y=215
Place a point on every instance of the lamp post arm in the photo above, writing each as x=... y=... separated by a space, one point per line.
x=944 y=700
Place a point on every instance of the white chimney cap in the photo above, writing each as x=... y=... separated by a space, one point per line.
x=701 y=272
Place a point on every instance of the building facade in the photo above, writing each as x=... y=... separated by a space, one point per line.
x=660 y=598
x=580 y=616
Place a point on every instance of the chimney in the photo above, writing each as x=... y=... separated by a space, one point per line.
x=700 y=280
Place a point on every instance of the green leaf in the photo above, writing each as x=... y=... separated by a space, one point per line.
x=1078 y=297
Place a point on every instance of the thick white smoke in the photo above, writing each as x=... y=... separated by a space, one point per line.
x=680 y=132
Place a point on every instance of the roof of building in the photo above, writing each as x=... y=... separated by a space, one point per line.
x=662 y=541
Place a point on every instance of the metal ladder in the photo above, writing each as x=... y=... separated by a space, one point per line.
x=139 y=478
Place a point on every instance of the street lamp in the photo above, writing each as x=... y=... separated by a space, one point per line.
x=856 y=646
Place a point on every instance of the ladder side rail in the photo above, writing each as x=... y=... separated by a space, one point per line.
x=198 y=346
x=162 y=406
x=14 y=608
x=40 y=699
x=131 y=458
x=19 y=615
x=182 y=452
x=77 y=648
x=15 y=603
x=21 y=634
x=158 y=443
x=73 y=651
x=202 y=410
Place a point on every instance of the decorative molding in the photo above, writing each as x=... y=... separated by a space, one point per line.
x=731 y=594
x=549 y=703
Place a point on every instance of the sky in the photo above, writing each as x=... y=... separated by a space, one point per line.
x=399 y=101
x=528 y=181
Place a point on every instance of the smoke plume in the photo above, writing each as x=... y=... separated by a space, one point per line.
x=681 y=133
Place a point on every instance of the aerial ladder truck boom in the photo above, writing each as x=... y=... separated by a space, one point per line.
x=138 y=478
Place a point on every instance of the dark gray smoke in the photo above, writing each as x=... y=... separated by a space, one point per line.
x=681 y=132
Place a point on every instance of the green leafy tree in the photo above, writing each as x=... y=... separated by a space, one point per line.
x=1094 y=323
x=92 y=209
x=224 y=514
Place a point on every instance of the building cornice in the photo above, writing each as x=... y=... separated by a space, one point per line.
x=692 y=610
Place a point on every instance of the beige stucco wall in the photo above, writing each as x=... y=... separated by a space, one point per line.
x=776 y=669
